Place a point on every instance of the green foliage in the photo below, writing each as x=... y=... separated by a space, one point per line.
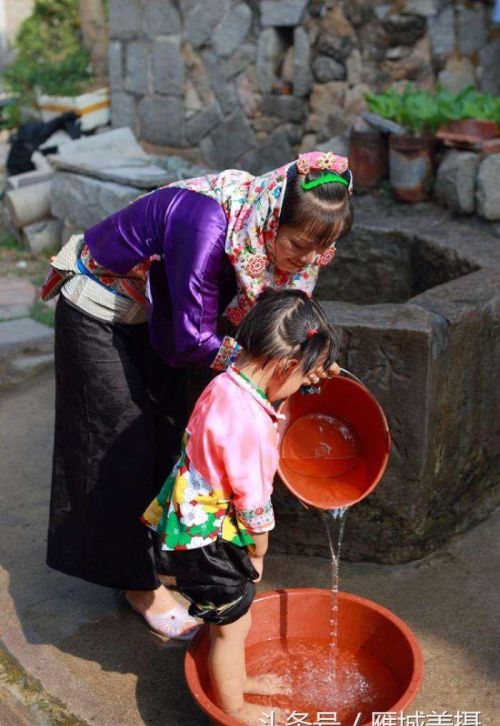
x=50 y=55
x=42 y=313
x=419 y=111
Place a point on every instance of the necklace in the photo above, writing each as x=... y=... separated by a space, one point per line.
x=251 y=383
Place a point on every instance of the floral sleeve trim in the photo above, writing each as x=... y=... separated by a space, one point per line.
x=227 y=354
x=258 y=520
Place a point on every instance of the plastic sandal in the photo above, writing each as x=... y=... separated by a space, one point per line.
x=173 y=623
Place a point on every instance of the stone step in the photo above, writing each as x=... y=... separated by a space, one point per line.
x=24 y=335
x=16 y=297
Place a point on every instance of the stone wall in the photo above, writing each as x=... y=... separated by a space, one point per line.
x=249 y=84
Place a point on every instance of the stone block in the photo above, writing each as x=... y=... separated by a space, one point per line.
x=124 y=18
x=302 y=76
x=239 y=61
x=168 y=66
x=117 y=140
x=138 y=67
x=337 y=144
x=488 y=188
x=223 y=90
x=45 y=235
x=17 y=295
x=338 y=48
x=282 y=13
x=199 y=125
x=124 y=110
x=85 y=201
x=27 y=179
x=458 y=73
x=227 y=143
x=426 y=8
x=442 y=33
x=353 y=66
x=288 y=108
x=202 y=19
x=471 y=28
x=269 y=50
x=232 y=30
x=115 y=65
x=161 y=17
x=328 y=69
x=404 y=29
x=162 y=120
x=489 y=75
x=24 y=335
x=270 y=155
x=456 y=181
x=29 y=204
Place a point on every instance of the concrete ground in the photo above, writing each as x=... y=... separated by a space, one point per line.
x=71 y=654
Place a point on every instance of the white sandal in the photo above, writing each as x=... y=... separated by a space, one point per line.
x=174 y=623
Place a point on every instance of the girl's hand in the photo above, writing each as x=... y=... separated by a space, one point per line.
x=258 y=563
x=316 y=375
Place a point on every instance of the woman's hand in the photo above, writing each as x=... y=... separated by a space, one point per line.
x=317 y=374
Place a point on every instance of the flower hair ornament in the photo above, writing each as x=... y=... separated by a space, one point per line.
x=333 y=166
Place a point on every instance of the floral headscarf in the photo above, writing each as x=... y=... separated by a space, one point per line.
x=253 y=206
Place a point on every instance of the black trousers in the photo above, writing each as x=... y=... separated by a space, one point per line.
x=120 y=413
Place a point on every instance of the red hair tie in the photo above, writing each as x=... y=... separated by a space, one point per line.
x=311 y=333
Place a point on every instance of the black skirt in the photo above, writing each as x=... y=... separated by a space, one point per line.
x=120 y=413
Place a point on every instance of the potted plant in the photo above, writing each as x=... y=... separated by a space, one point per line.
x=469 y=117
x=410 y=153
x=52 y=68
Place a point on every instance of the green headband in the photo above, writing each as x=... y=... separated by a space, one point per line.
x=324 y=179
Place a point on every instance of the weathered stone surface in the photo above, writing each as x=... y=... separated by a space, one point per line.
x=22 y=335
x=202 y=19
x=243 y=57
x=162 y=120
x=354 y=66
x=415 y=66
x=111 y=141
x=168 y=66
x=161 y=17
x=27 y=179
x=269 y=49
x=228 y=142
x=246 y=88
x=202 y=123
x=302 y=76
x=442 y=33
x=29 y=204
x=232 y=29
x=115 y=65
x=124 y=18
x=471 y=27
x=45 y=235
x=426 y=8
x=404 y=29
x=488 y=188
x=138 y=67
x=16 y=297
x=335 y=47
x=124 y=111
x=224 y=90
x=328 y=69
x=85 y=201
x=458 y=73
x=327 y=103
x=28 y=365
x=489 y=75
x=286 y=107
x=282 y=13
x=337 y=144
x=456 y=181
x=270 y=155
x=383 y=124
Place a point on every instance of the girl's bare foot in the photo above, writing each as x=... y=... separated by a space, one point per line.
x=252 y=714
x=266 y=684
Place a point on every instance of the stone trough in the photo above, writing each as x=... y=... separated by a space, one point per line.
x=415 y=295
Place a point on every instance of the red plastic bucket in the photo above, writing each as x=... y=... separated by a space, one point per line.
x=335 y=444
x=281 y=617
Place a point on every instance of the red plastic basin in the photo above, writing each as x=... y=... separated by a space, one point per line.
x=282 y=618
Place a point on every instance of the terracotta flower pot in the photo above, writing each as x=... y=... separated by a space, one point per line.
x=368 y=158
x=410 y=167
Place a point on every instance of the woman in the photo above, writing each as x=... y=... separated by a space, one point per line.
x=178 y=257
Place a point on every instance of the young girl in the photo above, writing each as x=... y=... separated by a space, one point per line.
x=214 y=512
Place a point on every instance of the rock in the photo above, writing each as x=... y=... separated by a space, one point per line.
x=232 y=29
x=45 y=235
x=24 y=335
x=426 y=8
x=116 y=140
x=168 y=66
x=327 y=69
x=335 y=47
x=383 y=124
x=17 y=295
x=85 y=201
x=115 y=65
x=246 y=90
x=442 y=33
x=398 y=52
x=27 y=179
x=192 y=102
x=327 y=104
x=68 y=231
x=138 y=67
x=302 y=76
x=289 y=108
x=275 y=152
x=282 y=13
x=197 y=75
x=309 y=143
x=269 y=50
x=416 y=66
x=335 y=24
x=29 y=204
x=161 y=18
x=124 y=18
x=337 y=144
x=227 y=143
x=202 y=19
x=162 y=120
x=243 y=57
x=471 y=28
x=489 y=76
x=404 y=29
x=354 y=66
x=29 y=365
x=224 y=91
x=488 y=188
x=124 y=110
x=355 y=102
x=199 y=125
x=458 y=73
x=456 y=181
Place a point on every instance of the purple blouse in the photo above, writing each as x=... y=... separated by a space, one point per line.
x=194 y=281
